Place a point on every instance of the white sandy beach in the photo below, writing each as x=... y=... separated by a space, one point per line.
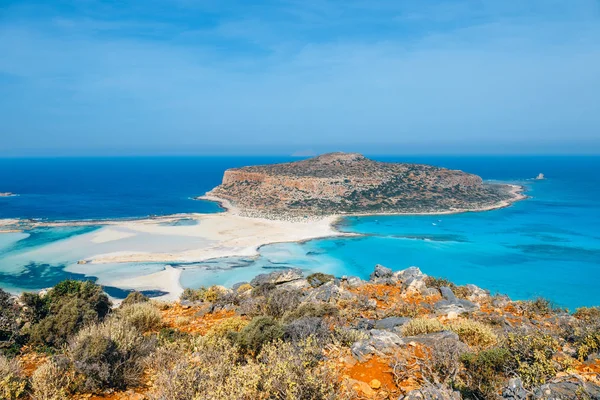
x=161 y=240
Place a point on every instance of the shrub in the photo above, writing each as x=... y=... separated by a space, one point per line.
x=228 y=326
x=280 y=301
x=307 y=310
x=433 y=282
x=474 y=333
x=294 y=371
x=244 y=288
x=348 y=336
x=134 y=298
x=588 y=314
x=484 y=372
x=193 y=294
x=531 y=356
x=263 y=289
x=109 y=355
x=317 y=279
x=588 y=344
x=303 y=328
x=51 y=381
x=420 y=326
x=143 y=316
x=260 y=331
x=9 y=325
x=66 y=308
x=12 y=383
x=536 y=308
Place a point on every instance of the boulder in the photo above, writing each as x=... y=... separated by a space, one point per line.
x=379 y=342
x=390 y=322
x=432 y=392
x=452 y=304
x=514 y=390
x=477 y=293
x=412 y=279
x=297 y=284
x=277 y=277
x=327 y=292
x=570 y=388
x=380 y=273
x=353 y=282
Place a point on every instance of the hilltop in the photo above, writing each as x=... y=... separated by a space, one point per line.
x=349 y=183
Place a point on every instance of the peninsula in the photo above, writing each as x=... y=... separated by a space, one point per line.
x=349 y=183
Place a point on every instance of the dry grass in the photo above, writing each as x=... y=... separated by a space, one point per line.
x=421 y=326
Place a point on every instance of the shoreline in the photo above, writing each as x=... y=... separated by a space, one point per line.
x=211 y=236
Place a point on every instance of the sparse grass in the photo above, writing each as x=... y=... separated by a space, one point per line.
x=421 y=326
x=51 y=381
x=588 y=314
x=474 y=333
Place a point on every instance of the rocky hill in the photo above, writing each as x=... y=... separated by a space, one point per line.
x=347 y=183
x=398 y=336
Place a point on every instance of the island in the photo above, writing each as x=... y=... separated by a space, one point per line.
x=349 y=183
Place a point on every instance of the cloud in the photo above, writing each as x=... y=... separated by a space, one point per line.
x=301 y=75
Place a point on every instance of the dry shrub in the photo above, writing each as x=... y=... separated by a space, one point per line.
x=109 y=355
x=421 y=326
x=281 y=301
x=134 y=298
x=531 y=356
x=12 y=382
x=474 y=333
x=588 y=314
x=223 y=329
x=309 y=310
x=144 y=316
x=244 y=288
x=51 y=381
x=484 y=373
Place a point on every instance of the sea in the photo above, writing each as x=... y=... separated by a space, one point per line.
x=545 y=246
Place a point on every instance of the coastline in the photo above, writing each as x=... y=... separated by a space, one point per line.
x=211 y=236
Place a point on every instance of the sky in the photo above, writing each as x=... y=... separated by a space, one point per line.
x=87 y=77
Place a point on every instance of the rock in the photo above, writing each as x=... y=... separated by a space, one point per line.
x=82 y=262
x=571 y=388
x=412 y=279
x=500 y=301
x=380 y=272
x=297 y=284
x=375 y=384
x=365 y=324
x=390 y=322
x=327 y=292
x=353 y=282
x=540 y=177
x=379 y=342
x=477 y=293
x=452 y=304
x=514 y=390
x=362 y=388
x=432 y=392
x=277 y=277
x=431 y=338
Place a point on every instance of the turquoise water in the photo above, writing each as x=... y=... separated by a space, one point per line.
x=548 y=245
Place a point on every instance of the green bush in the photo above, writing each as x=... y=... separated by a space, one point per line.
x=10 y=337
x=531 y=356
x=421 y=326
x=588 y=344
x=193 y=294
x=317 y=279
x=539 y=307
x=485 y=372
x=260 y=331
x=144 y=316
x=134 y=298
x=436 y=283
x=12 y=383
x=64 y=310
x=109 y=355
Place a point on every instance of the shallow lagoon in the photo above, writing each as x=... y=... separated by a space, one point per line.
x=548 y=245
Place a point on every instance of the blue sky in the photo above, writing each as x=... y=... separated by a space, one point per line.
x=221 y=76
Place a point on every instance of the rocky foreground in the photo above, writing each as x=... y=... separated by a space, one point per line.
x=349 y=183
x=400 y=335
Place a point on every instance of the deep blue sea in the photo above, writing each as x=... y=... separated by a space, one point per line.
x=547 y=245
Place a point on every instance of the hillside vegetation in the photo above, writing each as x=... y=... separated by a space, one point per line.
x=400 y=335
